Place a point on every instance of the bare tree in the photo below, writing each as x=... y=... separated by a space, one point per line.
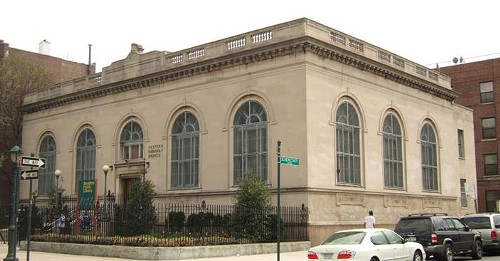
x=18 y=76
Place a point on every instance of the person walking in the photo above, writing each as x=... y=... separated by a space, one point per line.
x=62 y=224
x=370 y=220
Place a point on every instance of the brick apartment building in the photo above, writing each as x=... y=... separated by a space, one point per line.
x=478 y=84
x=61 y=71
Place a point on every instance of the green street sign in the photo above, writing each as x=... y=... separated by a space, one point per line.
x=289 y=161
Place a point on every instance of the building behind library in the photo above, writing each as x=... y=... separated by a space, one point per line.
x=372 y=130
x=478 y=84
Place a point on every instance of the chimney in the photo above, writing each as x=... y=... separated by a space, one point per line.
x=4 y=49
x=44 y=47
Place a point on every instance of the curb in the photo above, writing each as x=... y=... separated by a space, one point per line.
x=165 y=253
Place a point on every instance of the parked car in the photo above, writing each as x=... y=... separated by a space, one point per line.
x=442 y=236
x=488 y=224
x=367 y=245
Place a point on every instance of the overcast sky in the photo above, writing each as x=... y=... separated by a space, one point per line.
x=424 y=31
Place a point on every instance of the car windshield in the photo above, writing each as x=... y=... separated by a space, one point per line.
x=477 y=222
x=345 y=238
x=417 y=226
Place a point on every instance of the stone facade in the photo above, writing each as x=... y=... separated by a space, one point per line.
x=300 y=72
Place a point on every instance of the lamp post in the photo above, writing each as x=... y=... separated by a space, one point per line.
x=14 y=156
x=105 y=169
x=58 y=174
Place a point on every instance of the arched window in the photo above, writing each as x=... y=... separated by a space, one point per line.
x=348 y=145
x=46 y=177
x=131 y=141
x=185 y=151
x=393 y=152
x=250 y=141
x=428 y=147
x=85 y=155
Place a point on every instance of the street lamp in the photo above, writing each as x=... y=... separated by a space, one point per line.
x=105 y=168
x=58 y=174
x=14 y=156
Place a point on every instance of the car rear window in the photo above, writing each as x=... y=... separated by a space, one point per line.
x=417 y=226
x=345 y=238
x=496 y=220
x=477 y=222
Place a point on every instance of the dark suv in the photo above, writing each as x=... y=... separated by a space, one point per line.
x=442 y=236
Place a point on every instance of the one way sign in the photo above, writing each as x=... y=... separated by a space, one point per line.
x=29 y=174
x=33 y=162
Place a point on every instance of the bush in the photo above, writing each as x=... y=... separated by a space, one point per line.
x=141 y=215
x=250 y=213
x=118 y=220
x=175 y=221
x=4 y=217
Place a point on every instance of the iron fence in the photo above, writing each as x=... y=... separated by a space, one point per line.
x=174 y=225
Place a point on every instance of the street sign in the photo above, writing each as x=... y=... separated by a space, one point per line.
x=33 y=162
x=289 y=161
x=29 y=174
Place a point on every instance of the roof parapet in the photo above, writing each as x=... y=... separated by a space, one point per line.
x=139 y=64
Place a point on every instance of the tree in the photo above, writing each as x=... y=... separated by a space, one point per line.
x=18 y=76
x=141 y=215
x=249 y=219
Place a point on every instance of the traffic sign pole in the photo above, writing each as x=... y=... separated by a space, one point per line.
x=278 y=211
x=29 y=221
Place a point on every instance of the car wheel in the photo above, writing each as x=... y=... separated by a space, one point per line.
x=448 y=253
x=417 y=256
x=374 y=259
x=477 y=250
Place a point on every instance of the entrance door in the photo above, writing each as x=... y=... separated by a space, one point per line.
x=127 y=189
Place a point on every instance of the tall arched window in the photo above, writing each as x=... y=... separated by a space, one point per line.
x=348 y=145
x=85 y=155
x=393 y=152
x=428 y=147
x=250 y=141
x=46 y=177
x=185 y=151
x=131 y=141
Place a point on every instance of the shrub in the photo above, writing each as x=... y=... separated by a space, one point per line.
x=141 y=216
x=175 y=221
x=250 y=213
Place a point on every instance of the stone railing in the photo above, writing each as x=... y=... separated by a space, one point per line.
x=143 y=64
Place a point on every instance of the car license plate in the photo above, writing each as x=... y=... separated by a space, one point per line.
x=327 y=255
x=411 y=239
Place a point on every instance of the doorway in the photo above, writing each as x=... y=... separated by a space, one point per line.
x=127 y=189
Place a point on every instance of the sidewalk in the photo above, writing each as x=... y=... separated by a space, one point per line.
x=42 y=256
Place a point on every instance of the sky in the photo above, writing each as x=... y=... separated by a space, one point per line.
x=428 y=32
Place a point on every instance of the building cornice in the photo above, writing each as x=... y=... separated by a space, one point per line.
x=265 y=44
x=381 y=70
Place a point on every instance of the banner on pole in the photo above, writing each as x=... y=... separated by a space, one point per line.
x=86 y=194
